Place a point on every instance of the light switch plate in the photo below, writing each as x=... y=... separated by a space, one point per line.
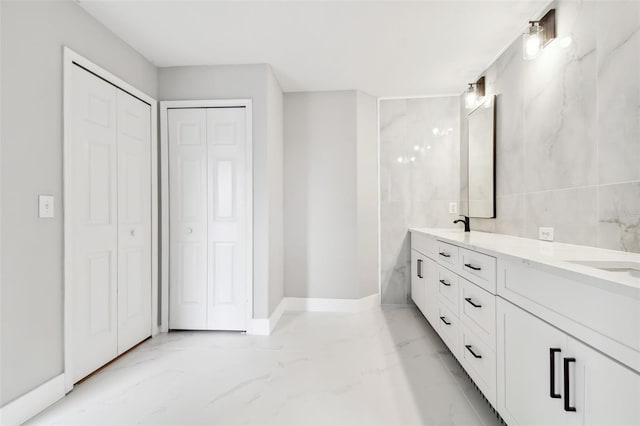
x=453 y=207
x=45 y=206
x=545 y=234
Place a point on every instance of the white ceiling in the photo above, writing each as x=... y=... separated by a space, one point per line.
x=391 y=48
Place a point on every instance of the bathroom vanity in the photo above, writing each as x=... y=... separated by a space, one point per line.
x=549 y=332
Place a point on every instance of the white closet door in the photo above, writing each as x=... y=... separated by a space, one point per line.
x=134 y=221
x=93 y=221
x=188 y=218
x=226 y=146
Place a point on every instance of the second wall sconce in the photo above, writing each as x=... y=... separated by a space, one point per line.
x=539 y=34
x=474 y=94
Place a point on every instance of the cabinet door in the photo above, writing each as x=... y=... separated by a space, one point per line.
x=417 y=280
x=527 y=372
x=602 y=391
x=430 y=278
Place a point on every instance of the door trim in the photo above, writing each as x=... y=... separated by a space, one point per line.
x=70 y=58
x=165 y=106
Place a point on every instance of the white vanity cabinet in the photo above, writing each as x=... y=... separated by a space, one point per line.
x=546 y=376
x=463 y=302
x=423 y=284
x=547 y=340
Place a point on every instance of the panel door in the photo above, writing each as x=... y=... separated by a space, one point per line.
x=134 y=221
x=92 y=218
x=525 y=382
x=227 y=218
x=188 y=218
x=417 y=280
x=602 y=391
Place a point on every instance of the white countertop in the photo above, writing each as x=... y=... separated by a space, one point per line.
x=550 y=254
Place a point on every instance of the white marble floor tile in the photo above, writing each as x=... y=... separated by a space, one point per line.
x=385 y=366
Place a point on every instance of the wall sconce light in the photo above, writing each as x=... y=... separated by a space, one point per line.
x=474 y=94
x=539 y=34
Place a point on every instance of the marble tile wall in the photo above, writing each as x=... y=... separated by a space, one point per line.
x=568 y=131
x=419 y=177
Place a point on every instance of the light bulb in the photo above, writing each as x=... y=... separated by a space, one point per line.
x=471 y=99
x=399 y=159
x=435 y=131
x=416 y=148
x=532 y=42
x=533 y=46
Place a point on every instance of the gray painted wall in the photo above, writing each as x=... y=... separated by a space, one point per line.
x=32 y=36
x=255 y=82
x=327 y=187
x=276 y=197
x=568 y=131
x=367 y=184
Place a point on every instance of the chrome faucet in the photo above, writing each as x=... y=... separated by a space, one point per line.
x=465 y=221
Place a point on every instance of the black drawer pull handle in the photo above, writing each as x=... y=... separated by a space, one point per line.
x=475 y=355
x=475 y=305
x=443 y=254
x=552 y=372
x=420 y=268
x=444 y=320
x=475 y=268
x=443 y=282
x=567 y=390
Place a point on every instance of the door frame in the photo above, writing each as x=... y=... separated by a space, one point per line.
x=165 y=106
x=71 y=59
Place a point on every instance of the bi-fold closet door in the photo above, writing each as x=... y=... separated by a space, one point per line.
x=208 y=218
x=110 y=221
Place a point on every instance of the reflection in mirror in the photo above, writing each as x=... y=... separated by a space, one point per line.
x=482 y=171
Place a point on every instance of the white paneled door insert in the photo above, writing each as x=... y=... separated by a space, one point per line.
x=108 y=236
x=208 y=186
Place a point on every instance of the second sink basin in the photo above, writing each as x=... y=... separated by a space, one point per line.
x=627 y=268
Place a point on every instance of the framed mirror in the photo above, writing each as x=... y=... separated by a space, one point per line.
x=482 y=160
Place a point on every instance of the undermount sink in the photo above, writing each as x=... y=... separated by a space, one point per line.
x=619 y=267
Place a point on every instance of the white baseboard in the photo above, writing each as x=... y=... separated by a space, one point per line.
x=265 y=326
x=307 y=304
x=28 y=405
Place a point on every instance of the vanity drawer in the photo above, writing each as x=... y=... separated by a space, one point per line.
x=479 y=268
x=449 y=328
x=425 y=244
x=448 y=254
x=478 y=311
x=479 y=361
x=449 y=289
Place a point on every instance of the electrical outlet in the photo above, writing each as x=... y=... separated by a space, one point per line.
x=545 y=234
x=453 y=207
x=45 y=206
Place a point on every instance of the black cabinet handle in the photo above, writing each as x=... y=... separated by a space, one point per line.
x=552 y=372
x=475 y=355
x=567 y=390
x=443 y=282
x=420 y=268
x=444 y=320
x=475 y=305
x=475 y=268
x=443 y=254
